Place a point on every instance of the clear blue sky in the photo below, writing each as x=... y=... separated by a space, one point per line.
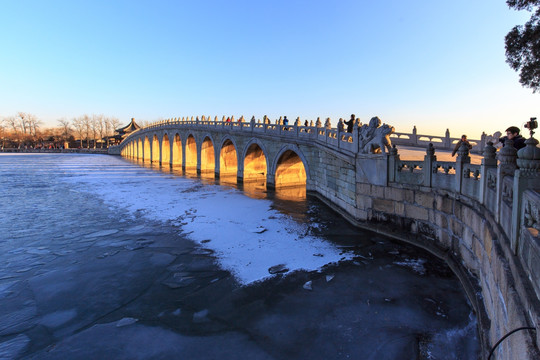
x=434 y=64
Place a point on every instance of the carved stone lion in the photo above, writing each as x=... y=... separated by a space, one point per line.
x=379 y=141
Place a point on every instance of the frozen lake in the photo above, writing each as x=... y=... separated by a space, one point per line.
x=104 y=258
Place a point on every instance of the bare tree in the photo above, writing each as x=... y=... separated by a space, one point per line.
x=86 y=120
x=115 y=124
x=3 y=132
x=101 y=128
x=33 y=124
x=22 y=122
x=79 y=126
x=65 y=129
x=94 y=128
x=16 y=132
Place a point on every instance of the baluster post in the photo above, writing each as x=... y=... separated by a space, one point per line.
x=429 y=160
x=507 y=157
x=393 y=161
x=488 y=162
x=462 y=160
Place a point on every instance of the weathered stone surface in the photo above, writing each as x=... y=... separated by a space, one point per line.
x=399 y=208
x=457 y=227
x=364 y=201
x=416 y=212
x=386 y=206
x=444 y=204
x=424 y=199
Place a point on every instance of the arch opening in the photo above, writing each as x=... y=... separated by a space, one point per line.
x=208 y=162
x=228 y=162
x=290 y=178
x=255 y=164
x=155 y=149
x=177 y=151
x=191 y=154
x=290 y=170
x=165 y=151
x=146 y=150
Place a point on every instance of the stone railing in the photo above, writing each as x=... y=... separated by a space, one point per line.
x=332 y=137
x=445 y=142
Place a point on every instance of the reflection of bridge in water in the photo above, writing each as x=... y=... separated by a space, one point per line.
x=482 y=215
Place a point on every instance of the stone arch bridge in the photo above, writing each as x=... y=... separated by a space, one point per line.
x=484 y=220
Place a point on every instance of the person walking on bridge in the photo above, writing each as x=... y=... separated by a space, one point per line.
x=463 y=140
x=350 y=123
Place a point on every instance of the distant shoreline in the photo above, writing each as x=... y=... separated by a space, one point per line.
x=58 y=151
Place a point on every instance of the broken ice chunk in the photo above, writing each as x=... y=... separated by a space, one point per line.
x=259 y=229
x=307 y=285
x=200 y=316
x=329 y=277
x=278 y=269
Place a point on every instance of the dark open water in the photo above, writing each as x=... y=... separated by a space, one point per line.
x=103 y=259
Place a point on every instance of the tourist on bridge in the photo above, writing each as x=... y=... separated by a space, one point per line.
x=463 y=140
x=512 y=133
x=350 y=123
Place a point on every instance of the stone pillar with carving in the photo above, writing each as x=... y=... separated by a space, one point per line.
x=488 y=162
x=318 y=122
x=507 y=157
x=447 y=143
x=328 y=124
x=462 y=160
x=393 y=162
x=429 y=160
x=340 y=125
x=527 y=176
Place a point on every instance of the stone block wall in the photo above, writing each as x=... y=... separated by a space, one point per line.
x=464 y=233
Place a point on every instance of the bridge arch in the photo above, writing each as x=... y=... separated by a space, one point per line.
x=154 y=154
x=177 y=152
x=165 y=150
x=255 y=161
x=139 y=149
x=290 y=167
x=208 y=155
x=146 y=149
x=191 y=153
x=228 y=158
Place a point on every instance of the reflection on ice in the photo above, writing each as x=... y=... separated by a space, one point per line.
x=198 y=209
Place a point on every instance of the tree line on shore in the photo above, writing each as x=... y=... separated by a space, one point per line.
x=25 y=130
